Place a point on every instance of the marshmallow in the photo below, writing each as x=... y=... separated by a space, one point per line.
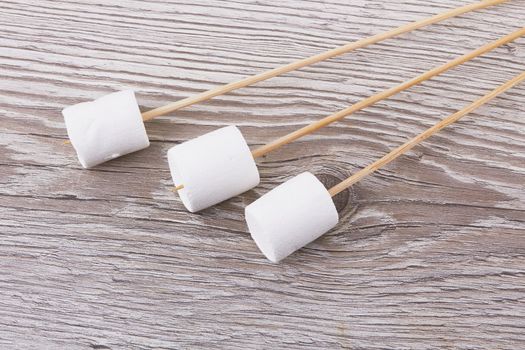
x=106 y=128
x=290 y=216
x=212 y=168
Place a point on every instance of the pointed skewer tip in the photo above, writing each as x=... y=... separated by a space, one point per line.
x=178 y=188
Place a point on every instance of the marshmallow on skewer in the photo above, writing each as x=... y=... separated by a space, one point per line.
x=212 y=168
x=106 y=128
x=301 y=209
x=290 y=216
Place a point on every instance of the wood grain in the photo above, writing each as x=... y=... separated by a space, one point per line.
x=418 y=139
x=429 y=253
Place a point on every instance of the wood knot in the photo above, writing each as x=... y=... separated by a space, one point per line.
x=342 y=200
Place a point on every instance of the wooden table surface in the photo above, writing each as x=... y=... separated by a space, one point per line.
x=429 y=252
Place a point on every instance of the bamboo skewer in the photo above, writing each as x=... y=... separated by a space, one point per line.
x=423 y=136
x=204 y=96
x=261 y=151
x=178 y=188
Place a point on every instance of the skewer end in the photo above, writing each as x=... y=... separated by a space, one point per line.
x=67 y=142
x=178 y=188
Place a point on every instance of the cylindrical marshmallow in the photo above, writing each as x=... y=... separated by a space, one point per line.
x=290 y=216
x=106 y=128
x=212 y=168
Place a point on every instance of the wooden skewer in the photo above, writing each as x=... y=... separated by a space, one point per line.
x=178 y=188
x=261 y=151
x=204 y=96
x=314 y=59
x=385 y=94
x=423 y=136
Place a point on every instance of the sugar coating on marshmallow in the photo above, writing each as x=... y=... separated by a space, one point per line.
x=106 y=128
x=290 y=216
x=212 y=168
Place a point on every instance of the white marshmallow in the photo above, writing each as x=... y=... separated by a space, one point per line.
x=290 y=216
x=213 y=167
x=106 y=128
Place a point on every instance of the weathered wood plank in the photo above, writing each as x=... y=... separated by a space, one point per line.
x=429 y=253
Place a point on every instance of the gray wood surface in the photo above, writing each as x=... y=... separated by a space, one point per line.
x=429 y=253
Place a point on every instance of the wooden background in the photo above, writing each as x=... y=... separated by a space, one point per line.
x=429 y=253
